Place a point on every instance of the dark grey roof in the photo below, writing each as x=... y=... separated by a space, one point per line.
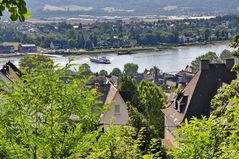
x=196 y=97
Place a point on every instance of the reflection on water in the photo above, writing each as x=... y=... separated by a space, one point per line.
x=171 y=60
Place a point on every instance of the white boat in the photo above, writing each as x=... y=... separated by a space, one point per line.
x=102 y=60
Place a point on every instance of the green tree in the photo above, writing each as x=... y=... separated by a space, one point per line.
x=129 y=86
x=156 y=71
x=85 y=69
x=131 y=69
x=145 y=113
x=45 y=116
x=103 y=73
x=226 y=54
x=16 y=8
x=151 y=100
x=207 y=34
x=202 y=139
x=116 y=72
x=208 y=56
x=116 y=142
x=30 y=62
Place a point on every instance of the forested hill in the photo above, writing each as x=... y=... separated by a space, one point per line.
x=134 y=6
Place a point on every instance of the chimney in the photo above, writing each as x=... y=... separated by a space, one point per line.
x=204 y=65
x=230 y=63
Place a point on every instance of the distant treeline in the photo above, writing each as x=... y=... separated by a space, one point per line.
x=120 y=34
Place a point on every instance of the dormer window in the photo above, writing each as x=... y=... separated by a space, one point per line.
x=182 y=104
x=178 y=98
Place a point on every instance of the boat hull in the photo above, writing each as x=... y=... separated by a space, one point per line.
x=99 y=61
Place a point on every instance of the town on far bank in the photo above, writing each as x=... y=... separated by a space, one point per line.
x=115 y=36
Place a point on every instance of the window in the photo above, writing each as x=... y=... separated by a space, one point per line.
x=117 y=109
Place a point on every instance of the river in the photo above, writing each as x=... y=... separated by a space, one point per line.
x=171 y=60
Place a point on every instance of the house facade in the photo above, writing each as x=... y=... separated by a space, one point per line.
x=117 y=113
x=194 y=100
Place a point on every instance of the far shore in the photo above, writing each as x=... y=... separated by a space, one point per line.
x=116 y=50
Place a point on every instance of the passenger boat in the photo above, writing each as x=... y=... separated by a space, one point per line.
x=102 y=60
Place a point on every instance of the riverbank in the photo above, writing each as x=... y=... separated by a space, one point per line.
x=139 y=49
x=116 y=50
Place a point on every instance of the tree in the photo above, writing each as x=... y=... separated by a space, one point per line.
x=103 y=73
x=208 y=56
x=80 y=41
x=225 y=54
x=202 y=139
x=130 y=69
x=207 y=34
x=17 y=9
x=116 y=72
x=116 y=142
x=128 y=85
x=145 y=113
x=151 y=100
x=85 y=69
x=43 y=116
x=156 y=72
x=30 y=62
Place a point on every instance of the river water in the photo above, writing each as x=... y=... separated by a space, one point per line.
x=171 y=60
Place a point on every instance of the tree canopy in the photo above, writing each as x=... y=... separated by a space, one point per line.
x=116 y=72
x=145 y=114
x=226 y=54
x=208 y=56
x=44 y=116
x=131 y=69
x=29 y=62
x=103 y=73
x=85 y=69
x=16 y=8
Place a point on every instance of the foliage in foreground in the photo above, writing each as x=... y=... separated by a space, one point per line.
x=29 y=62
x=16 y=8
x=51 y=114
x=43 y=117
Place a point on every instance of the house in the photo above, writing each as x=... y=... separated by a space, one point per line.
x=101 y=85
x=194 y=100
x=117 y=113
x=186 y=75
x=109 y=94
x=170 y=80
x=27 y=48
x=6 y=49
